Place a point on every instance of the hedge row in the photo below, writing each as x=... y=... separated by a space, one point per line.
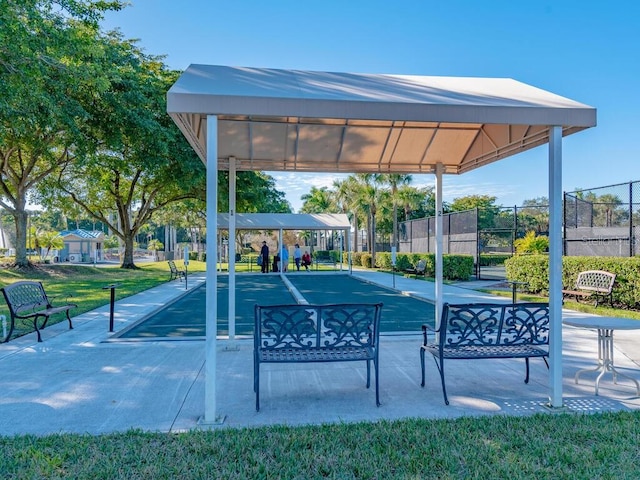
x=534 y=269
x=454 y=267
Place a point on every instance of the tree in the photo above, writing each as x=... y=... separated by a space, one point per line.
x=396 y=180
x=138 y=162
x=345 y=198
x=487 y=209
x=154 y=245
x=47 y=48
x=318 y=200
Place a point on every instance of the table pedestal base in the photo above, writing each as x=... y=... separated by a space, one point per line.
x=605 y=360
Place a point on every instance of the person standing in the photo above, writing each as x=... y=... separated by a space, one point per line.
x=284 y=258
x=297 y=256
x=264 y=253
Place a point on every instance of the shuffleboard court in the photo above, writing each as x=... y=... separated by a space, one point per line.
x=400 y=313
x=186 y=316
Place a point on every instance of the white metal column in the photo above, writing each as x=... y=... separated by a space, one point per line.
x=555 y=267
x=212 y=274
x=232 y=248
x=439 y=296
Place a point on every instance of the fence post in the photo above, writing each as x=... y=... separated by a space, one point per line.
x=631 y=239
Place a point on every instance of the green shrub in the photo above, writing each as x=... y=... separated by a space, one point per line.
x=365 y=260
x=534 y=269
x=532 y=243
x=457 y=267
x=493 y=259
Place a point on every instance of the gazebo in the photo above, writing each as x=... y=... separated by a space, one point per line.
x=239 y=118
x=273 y=221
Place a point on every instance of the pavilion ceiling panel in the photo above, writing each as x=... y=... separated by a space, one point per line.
x=363 y=143
x=410 y=147
x=448 y=145
x=319 y=144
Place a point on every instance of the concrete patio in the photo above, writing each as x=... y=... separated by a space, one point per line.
x=77 y=381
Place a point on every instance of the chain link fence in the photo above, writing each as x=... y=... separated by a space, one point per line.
x=603 y=221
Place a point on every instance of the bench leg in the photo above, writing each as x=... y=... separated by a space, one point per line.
x=69 y=319
x=422 y=365
x=256 y=384
x=526 y=378
x=35 y=326
x=368 y=373
x=375 y=364
x=444 y=388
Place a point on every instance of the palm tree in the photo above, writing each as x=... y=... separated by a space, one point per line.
x=394 y=180
x=345 y=198
x=318 y=200
x=367 y=197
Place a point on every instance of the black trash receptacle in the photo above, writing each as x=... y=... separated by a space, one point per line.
x=238 y=257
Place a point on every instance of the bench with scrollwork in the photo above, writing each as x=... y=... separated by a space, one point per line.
x=484 y=330
x=316 y=333
x=28 y=300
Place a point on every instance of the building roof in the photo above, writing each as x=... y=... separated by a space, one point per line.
x=286 y=221
x=291 y=120
x=94 y=234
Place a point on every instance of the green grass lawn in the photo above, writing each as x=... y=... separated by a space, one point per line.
x=564 y=446
x=560 y=446
x=82 y=285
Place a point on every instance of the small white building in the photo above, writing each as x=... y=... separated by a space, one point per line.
x=81 y=246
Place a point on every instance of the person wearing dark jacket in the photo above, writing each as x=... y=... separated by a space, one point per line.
x=264 y=253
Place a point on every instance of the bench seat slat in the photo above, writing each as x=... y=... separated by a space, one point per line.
x=483 y=351
x=341 y=354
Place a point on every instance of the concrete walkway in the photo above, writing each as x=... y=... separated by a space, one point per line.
x=79 y=381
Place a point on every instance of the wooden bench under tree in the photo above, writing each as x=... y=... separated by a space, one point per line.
x=175 y=271
x=28 y=300
x=316 y=333
x=477 y=331
x=592 y=284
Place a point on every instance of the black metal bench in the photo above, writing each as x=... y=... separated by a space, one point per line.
x=486 y=330
x=316 y=333
x=175 y=271
x=28 y=300
x=596 y=284
x=419 y=269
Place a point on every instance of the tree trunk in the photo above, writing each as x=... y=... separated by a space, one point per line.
x=20 y=216
x=127 y=259
x=394 y=240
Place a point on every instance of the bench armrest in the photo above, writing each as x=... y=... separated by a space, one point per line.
x=425 y=329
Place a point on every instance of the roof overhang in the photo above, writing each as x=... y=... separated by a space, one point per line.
x=282 y=120
x=286 y=221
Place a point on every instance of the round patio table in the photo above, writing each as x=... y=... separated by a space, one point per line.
x=605 y=327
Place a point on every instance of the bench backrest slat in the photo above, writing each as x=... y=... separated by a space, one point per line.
x=312 y=326
x=25 y=296
x=484 y=324
x=596 y=281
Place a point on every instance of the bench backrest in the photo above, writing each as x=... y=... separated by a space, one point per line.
x=25 y=296
x=172 y=266
x=313 y=326
x=487 y=324
x=596 y=281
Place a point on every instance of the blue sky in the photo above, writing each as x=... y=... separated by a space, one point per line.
x=584 y=50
